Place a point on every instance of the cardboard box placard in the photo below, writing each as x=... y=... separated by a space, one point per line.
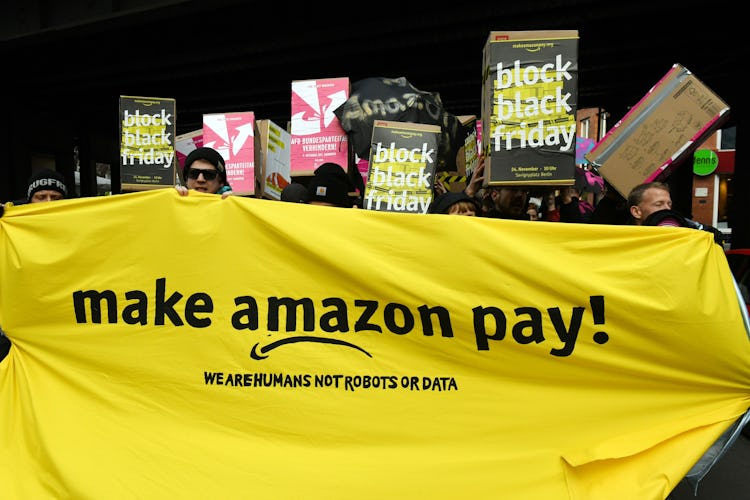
x=317 y=135
x=466 y=159
x=658 y=133
x=272 y=158
x=233 y=136
x=529 y=103
x=403 y=160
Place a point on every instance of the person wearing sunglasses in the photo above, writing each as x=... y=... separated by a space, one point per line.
x=205 y=171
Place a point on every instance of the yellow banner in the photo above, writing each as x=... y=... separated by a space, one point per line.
x=194 y=347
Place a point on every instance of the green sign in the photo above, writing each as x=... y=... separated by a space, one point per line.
x=705 y=162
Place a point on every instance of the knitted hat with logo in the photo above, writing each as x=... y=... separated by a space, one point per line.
x=44 y=180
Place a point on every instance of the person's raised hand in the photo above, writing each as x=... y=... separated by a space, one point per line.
x=439 y=187
x=477 y=178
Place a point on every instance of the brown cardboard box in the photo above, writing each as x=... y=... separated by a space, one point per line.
x=232 y=136
x=466 y=159
x=272 y=159
x=659 y=132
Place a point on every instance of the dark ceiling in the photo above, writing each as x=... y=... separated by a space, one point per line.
x=67 y=63
x=242 y=56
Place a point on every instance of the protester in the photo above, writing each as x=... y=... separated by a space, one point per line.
x=486 y=204
x=611 y=208
x=331 y=186
x=294 y=192
x=455 y=203
x=46 y=185
x=572 y=208
x=532 y=211
x=651 y=205
x=205 y=171
x=550 y=207
x=647 y=198
x=508 y=202
x=504 y=202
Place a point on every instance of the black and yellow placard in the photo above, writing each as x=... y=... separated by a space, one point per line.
x=529 y=103
x=403 y=162
x=147 y=143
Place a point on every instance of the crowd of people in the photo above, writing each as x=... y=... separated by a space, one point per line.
x=564 y=204
x=204 y=170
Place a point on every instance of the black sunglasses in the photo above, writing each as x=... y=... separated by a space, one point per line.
x=209 y=175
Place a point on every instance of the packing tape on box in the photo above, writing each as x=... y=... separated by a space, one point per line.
x=448 y=179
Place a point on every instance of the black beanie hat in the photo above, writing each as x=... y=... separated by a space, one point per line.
x=331 y=184
x=294 y=192
x=211 y=156
x=46 y=179
x=443 y=202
